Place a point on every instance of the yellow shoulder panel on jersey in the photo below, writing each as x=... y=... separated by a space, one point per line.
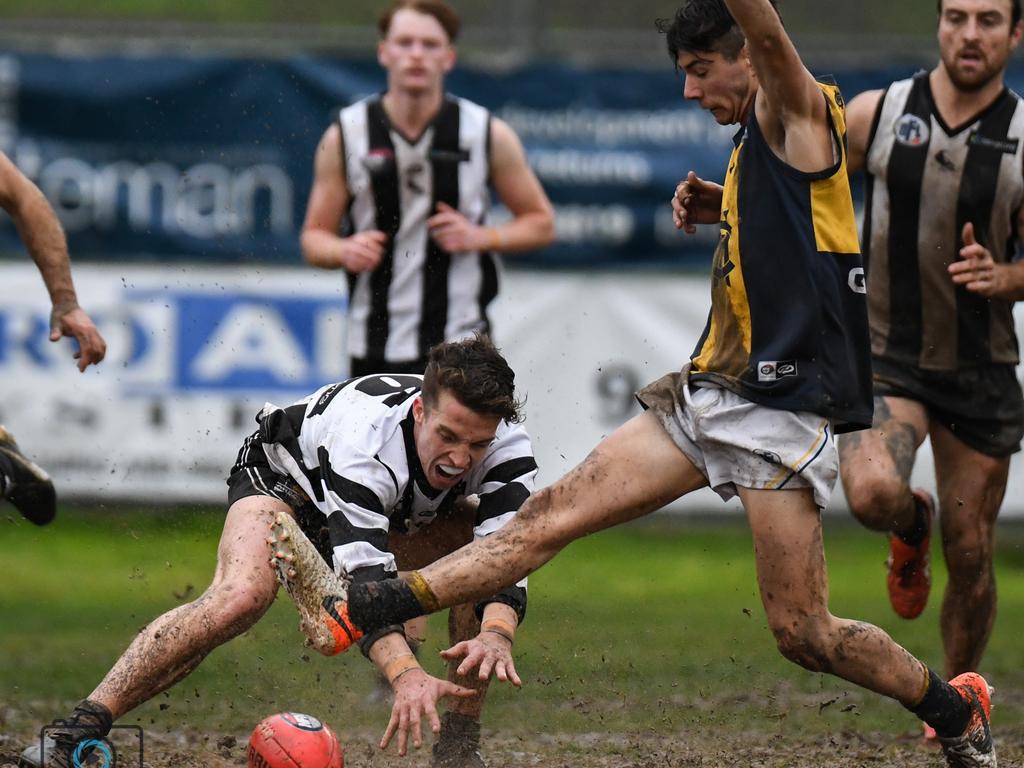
x=835 y=226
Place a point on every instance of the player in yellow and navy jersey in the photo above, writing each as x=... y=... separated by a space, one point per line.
x=782 y=366
x=788 y=323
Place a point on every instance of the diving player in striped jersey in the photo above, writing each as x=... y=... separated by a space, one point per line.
x=944 y=155
x=782 y=365
x=382 y=472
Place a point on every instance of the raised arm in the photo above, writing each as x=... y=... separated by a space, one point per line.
x=43 y=237
x=787 y=86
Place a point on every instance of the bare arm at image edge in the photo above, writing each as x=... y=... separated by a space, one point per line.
x=44 y=239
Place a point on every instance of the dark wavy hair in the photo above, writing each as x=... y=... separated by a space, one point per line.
x=476 y=374
x=1014 y=11
x=704 y=25
x=440 y=10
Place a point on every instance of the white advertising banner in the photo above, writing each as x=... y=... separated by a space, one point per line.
x=194 y=353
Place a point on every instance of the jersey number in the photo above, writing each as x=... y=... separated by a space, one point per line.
x=399 y=387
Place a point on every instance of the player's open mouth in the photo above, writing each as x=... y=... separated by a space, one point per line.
x=448 y=473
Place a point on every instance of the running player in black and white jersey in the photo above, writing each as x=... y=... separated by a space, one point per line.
x=944 y=154
x=375 y=471
x=410 y=171
x=783 y=362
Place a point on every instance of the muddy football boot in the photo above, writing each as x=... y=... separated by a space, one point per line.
x=319 y=595
x=77 y=741
x=910 y=576
x=973 y=748
x=458 y=744
x=25 y=484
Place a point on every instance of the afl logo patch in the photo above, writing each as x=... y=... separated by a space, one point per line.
x=912 y=131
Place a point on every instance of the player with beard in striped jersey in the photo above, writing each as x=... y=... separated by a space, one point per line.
x=372 y=475
x=943 y=154
x=408 y=173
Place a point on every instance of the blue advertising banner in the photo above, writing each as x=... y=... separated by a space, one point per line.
x=210 y=159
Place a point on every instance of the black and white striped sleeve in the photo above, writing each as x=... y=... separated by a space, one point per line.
x=359 y=490
x=509 y=472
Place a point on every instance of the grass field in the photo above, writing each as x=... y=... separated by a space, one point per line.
x=648 y=630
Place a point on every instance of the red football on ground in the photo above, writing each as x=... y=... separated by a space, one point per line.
x=291 y=740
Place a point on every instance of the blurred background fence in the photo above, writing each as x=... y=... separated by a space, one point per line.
x=175 y=141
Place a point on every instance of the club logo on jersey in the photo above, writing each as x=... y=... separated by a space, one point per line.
x=413 y=179
x=773 y=370
x=1007 y=146
x=912 y=131
x=945 y=160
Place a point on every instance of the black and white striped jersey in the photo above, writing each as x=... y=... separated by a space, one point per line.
x=925 y=180
x=350 y=447
x=419 y=295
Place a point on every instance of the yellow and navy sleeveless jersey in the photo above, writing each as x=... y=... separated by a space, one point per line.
x=788 y=323
x=926 y=179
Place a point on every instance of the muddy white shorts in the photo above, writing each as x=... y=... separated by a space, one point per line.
x=736 y=442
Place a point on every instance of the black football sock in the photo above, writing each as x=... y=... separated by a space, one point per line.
x=915 y=534
x=373 y=605
x=92 y=715
x=943 y=708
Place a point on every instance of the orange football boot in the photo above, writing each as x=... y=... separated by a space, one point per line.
x=910 y=576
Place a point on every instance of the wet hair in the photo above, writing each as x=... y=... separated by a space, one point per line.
x=1015 y=12
x=440 y=10
x=704 y=25
x=476 y=374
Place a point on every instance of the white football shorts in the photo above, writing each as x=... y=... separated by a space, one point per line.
x=736 y=442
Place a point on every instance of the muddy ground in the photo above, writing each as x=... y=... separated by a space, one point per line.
x=182 y=749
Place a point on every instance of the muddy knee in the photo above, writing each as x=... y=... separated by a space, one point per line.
x=877 y=502
x=804 y=643
x=238 y=606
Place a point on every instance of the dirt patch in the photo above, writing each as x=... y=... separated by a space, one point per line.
x=186 y=749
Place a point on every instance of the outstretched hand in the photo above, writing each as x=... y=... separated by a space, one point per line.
x=71 y=320
x=416 y=695
x=977 y=271
x=696 y=201
x=490 y=653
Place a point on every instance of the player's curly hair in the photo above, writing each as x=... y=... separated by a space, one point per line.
x=704 y=25
x=440 y=10
x=474 y=371
x=1015 y=11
